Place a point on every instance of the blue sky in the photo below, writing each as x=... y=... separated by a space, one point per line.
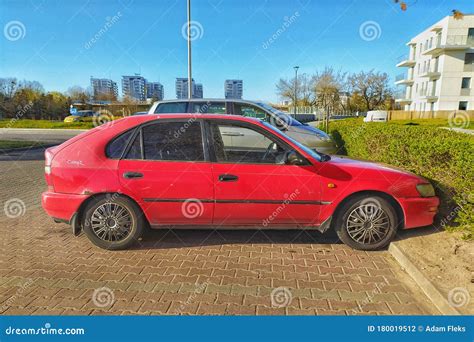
x=55 y=44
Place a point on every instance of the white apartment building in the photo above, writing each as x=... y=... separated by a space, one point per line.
x=233 y=89
x=439 y=67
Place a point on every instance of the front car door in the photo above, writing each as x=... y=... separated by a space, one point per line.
x=253 y=185
x=167 y=170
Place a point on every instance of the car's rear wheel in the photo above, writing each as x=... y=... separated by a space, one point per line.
x=367 y=223
x=113 y=222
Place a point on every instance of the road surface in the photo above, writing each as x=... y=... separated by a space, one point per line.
x=47 y=136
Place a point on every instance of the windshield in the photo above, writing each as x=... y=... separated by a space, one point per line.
x=309 y=151
x=285 y=117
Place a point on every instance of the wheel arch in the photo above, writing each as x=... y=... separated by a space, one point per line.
x=80 y=210
x=389 y=198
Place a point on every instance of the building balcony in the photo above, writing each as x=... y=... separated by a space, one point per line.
x=452 y=43
x=429 y=97
x=403 y=79
x=403 y=100
x=405 y=61
x=432 y=75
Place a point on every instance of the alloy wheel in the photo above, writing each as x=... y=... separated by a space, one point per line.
x=111 y=222
x=368 y=224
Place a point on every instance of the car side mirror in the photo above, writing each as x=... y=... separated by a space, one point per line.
x=294 y=158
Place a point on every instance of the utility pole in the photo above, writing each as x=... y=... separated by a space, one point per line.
x=190 y=84
x=296 y=85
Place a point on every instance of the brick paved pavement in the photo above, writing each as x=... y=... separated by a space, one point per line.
x=45 y=270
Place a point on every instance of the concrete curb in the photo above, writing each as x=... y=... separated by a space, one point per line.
x=424 y=283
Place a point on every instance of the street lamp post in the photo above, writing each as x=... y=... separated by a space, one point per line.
x=190 y=84
x=296 y=86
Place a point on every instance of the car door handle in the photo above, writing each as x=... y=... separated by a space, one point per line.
x=233 y=134
x=130 y=175
x=228 y=178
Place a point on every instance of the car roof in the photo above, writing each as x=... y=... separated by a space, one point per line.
x=209 y=100
x=137 y=119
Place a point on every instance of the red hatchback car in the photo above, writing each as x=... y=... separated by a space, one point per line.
x=221 y=171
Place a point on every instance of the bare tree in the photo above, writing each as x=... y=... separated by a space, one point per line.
x=373 y=88
x=329 y=89
x=77 y=93
x=304 y=91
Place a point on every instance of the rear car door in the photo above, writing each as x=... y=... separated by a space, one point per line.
x=167 y=170
x=254 y=186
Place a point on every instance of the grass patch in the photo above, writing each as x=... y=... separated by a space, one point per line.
x=26 y=123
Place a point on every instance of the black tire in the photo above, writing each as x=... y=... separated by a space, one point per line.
x=378 y=213
x=124 y=233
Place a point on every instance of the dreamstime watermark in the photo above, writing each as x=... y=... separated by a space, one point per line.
x=280 y=122
x=103 y=297
x=104 y=117
x=200 y=288
x=21 y=111
x=109 y=22
x=281 y=297
x=177 y=133
x=14 y=208
x=461 y=205
x=370 y=30
x=47 y=329
x=192 y=208
x=196 y=31
x=287 y=22
x=10 y=301
x=14 y=30
x=459 y=119
x=458 y=297
x=288 y=199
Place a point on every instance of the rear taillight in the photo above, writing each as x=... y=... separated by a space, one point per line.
x=48 y=158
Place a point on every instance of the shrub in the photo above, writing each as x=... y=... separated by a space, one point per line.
x=444 y=157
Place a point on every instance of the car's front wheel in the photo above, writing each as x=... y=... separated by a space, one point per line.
x=367 y=222
x=113 y=222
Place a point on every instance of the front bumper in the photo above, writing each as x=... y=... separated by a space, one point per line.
x=61 y=206
x=419 y=211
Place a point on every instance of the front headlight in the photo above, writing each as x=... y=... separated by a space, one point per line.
x=425 y=190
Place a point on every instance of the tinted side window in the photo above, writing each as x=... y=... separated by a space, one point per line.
x=116 y=146
x=209 y=107
x=174 y=107
x=249 y=111
x=173 y=141
x=135 y=151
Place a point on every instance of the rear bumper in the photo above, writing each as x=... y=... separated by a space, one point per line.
x=61 y=206
x=419 y=211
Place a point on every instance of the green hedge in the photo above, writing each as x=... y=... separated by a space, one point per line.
x=444 y=157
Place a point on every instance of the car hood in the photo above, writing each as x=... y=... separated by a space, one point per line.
x=307 y=129
x=360 y=164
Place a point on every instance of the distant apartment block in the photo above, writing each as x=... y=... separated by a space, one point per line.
x=134 y=87
x=233 y=89
x=182 y=89
x=198 y=91
x=104 y=89
x=154 y=90
x=439 y=67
